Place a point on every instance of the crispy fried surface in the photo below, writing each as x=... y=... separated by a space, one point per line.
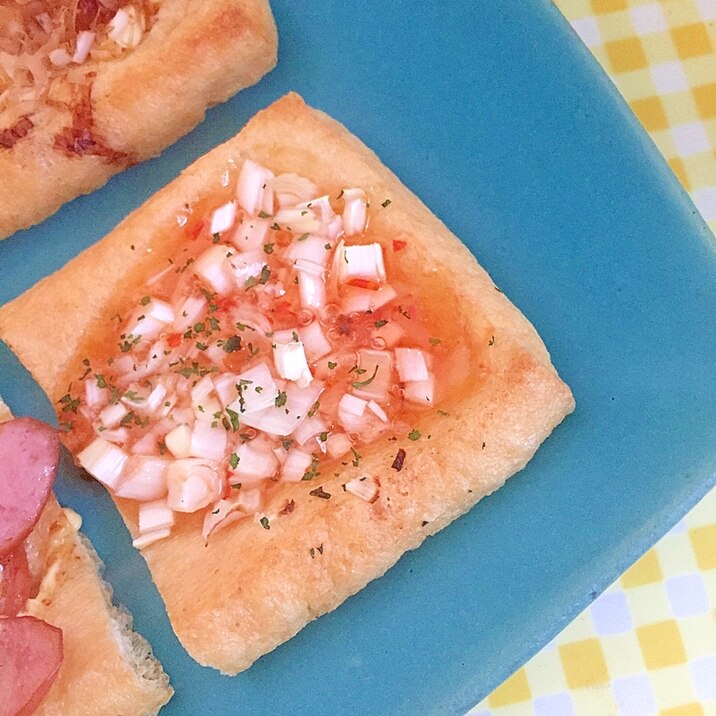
x=198 y=53
x=251 y=588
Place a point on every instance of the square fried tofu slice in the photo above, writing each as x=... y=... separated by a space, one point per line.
x=467 y=391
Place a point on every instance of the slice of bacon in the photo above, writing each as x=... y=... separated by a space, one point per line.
x=29 y=455
x=30 y=657
x=14 y=583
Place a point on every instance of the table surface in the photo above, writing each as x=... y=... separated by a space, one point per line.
x=605 y=664
x=648 y=644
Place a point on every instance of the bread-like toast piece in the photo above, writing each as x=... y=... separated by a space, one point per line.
x=252 y=588
x=196 y=53
x=107 y=668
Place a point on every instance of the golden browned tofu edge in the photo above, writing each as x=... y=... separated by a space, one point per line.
x=228 y=611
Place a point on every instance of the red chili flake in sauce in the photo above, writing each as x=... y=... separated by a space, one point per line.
x=193 y=229
x=364 y=283
x=225 y=304
x=399 y=460
x=399 y=245
x=173 y=340
x=10 y=136
x=288 y=508
x=283 y=307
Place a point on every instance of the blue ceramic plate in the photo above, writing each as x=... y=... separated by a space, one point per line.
x=500 y=120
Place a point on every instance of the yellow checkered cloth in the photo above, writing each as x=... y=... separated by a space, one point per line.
x=662 y=58
x=648 y=644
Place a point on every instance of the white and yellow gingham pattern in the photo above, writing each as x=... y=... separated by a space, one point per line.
x=648 y=644
x=661 y=55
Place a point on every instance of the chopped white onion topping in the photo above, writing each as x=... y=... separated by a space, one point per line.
x=310 y=248
x=377 y=410
x=144 y=327
x=223 y=218
x=411 y=365
x=207 y=442
x=144 y=479
x=94 y=395
x=314 y=341
x=309 y=428
x=158 y=357
x=296 y=464
x=420 y=391
x=178 y=441
x=250 y=234
x=155 y=399
x=215 y=353
x=375 y=380
x=310 y=267
x=254 y=189
x=292 y=189
x=150 y=538
x=299 y=221
x=206 y=411
x=257 y=390
x=146 y=445
x=321 y=208
x=247 y=265
x=154 y=515
x=256 y=461
x=285 y=335
x=338 y=444
x=183 y=415
x=355 y=212
x=118 y=23
x=124 y=364
x=367 y=488
x=390 y=333
x=188 y=312
x=351 y=411
x=284 y=418
x=334 y=228
x=249 y=500
x=220 y=515
x=225 y=387
x=350 y=405
x=221 y=427
x=291 y=363
x=149 y=321
x=104 y=461
x=126 y=28
x=85 y=40
x=311 y=290
x=361 y=300
x=192 y=484
x=159 y=310
x=60 y=57
x=363 y=261
x=202 y=389
x=213 y=266
x=253 y=317
x=111 y=416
